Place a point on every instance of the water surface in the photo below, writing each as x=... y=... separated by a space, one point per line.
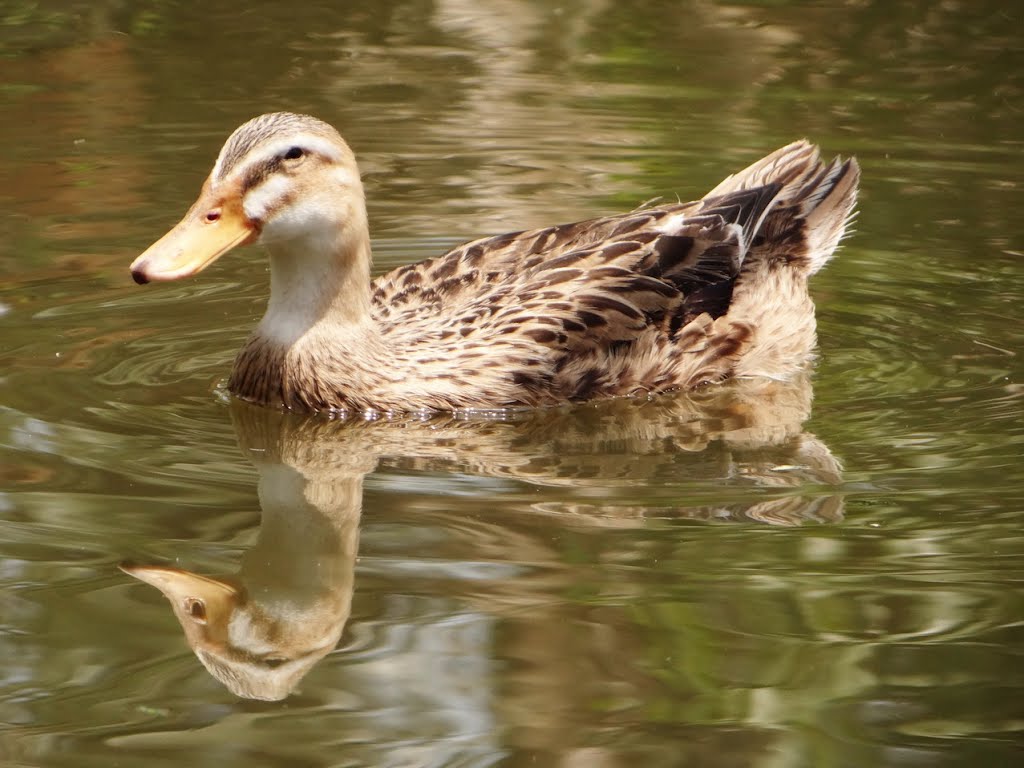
x=734 y=579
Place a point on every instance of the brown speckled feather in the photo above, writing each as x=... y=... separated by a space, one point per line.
x=631 y=304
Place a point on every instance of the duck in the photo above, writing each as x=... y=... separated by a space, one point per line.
x=668 y=297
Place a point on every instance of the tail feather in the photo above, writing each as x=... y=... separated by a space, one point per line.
x=788 y=166
x=828 y=211
x=744 y=209
x=821 y=195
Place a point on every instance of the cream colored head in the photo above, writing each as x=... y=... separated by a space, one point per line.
x=258 y=650
x=285 y=180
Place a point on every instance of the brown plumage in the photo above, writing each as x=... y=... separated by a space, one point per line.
x=664 y=298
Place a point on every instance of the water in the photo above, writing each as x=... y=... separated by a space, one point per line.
x=726 y=580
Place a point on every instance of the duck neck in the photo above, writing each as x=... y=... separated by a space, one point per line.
x=319 y=281
x=318 y=345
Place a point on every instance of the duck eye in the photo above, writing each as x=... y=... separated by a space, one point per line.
x=196 y=609
x=294 y=153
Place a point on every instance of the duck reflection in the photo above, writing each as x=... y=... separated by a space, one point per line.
x=261 y=630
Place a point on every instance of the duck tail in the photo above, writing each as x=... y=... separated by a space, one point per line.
x=828 y=210
x=818 y=196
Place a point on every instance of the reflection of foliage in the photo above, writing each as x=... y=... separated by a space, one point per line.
x=29 y=25
x=25 y=25
x=148 y=21
x=27 y=14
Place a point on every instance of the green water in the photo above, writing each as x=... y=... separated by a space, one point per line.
x=731 y=580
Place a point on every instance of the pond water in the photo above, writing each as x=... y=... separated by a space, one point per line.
x=724 y=580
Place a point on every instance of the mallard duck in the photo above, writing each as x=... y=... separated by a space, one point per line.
x=663 y=298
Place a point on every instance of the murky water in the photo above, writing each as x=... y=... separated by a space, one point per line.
x=723 y=580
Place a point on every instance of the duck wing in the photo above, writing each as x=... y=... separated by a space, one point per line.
x=657 y=299
x=686 y=248
x=593 y=308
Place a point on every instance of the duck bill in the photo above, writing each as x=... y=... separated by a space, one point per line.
x=211 y=228
x=180 y=586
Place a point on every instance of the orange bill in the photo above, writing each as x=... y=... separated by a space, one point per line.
x=213 y=226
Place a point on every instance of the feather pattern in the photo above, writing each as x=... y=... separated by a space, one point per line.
x=665 y=298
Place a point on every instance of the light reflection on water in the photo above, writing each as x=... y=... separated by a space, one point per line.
x=728 y=581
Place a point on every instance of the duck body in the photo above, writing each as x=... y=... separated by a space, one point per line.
x=665 y=298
